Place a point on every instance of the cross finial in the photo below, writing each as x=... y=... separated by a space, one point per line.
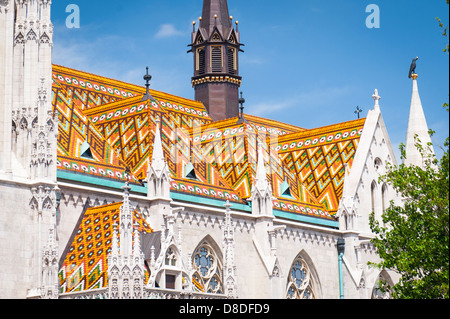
x=358 y=110
x=147 y=78
x=377 y=98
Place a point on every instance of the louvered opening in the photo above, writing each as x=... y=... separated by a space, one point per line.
x=216 y=57
x=231 y=69
x=201 y=62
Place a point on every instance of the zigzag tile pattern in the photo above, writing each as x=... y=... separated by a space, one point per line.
x=232 y=147
x=84 y=263
x=74 y=129
x=129 y=126
x=120 y=128
x=91 y=90
x=318 y=157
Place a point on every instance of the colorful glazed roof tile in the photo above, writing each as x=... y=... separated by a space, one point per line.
x=84 y=263
x=114 y=125
x=318 y=158
x=270 y=126
x=231 y=146
x=91 y=90
x=77 y=133
x=127 y=126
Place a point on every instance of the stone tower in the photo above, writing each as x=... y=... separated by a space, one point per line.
x=216 y=46
x=28 y=128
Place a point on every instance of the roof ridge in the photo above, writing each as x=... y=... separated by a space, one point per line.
x=249 y=117
x=94 y=209
x=105 y=107
x=135 y=87
x=316 y=130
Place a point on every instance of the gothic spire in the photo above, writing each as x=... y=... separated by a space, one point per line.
x=126 y=223
x=261 y=190
x=158 y=176
x=158 y=161
x=261 y=183
x=417 y=125
x=215 y=14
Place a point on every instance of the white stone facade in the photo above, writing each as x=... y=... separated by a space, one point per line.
x=254 y=253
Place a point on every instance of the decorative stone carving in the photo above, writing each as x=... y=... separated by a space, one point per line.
x=262 y=200
x=126 y=262
x=169 y=261
x=50 y=280
x=158 y=177
x=229 y=267
x=4 y=6
x=42 y=199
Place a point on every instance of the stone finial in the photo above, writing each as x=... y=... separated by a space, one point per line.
x=261 y=183
x=376 y=98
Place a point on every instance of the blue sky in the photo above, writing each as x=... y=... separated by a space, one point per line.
x=306 y=62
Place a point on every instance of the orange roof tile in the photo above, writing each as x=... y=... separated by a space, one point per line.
x=223 y=153
x=84 y=262
x=317 y=157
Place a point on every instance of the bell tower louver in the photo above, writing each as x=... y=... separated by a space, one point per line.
x=216 y=46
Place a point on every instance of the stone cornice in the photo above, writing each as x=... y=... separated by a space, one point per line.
x=220 y=78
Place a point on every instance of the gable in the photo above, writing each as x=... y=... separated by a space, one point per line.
x=74 y=130
x=84 y=263
x=318 y=157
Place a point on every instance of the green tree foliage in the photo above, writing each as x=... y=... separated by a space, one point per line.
x=413 y=239
x=444 y=31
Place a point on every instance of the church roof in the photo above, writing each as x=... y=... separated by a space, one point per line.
x=127 y=127
x=76 y=132
x=317 y=158
x=232 y=147
x=214 y=160
x=84 y=262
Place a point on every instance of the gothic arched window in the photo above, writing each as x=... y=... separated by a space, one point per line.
x=378 y=291
x=208 y=270
x=384 y=201
x=171 y=258
x=373 y=188
x=300 y=284
x=377 y=164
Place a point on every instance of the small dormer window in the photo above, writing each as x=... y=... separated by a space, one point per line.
x=285 y=190
x=85 y=151
x=190 y=171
